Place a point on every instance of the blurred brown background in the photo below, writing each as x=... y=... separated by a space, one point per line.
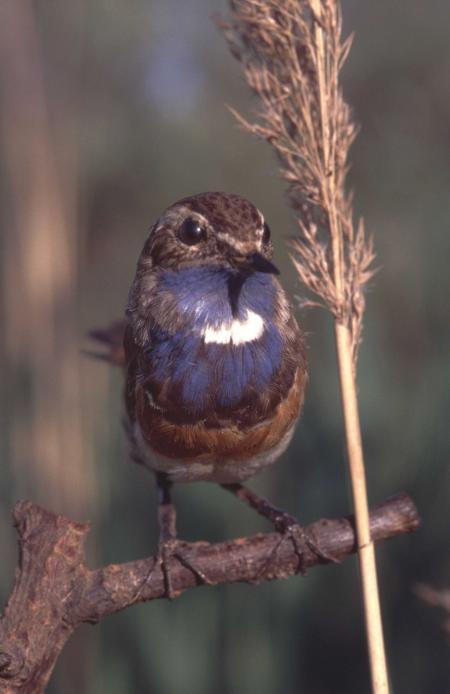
x=109 y=111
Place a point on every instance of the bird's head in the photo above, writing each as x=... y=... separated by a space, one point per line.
x=213 y=229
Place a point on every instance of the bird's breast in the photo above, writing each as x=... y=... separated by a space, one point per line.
x=188 y=452
x=214 y=368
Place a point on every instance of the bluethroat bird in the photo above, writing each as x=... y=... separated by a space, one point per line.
x=215 y=361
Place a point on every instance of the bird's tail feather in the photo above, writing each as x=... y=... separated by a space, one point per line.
x=111 y=341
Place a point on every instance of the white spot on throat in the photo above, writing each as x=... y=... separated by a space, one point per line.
x=237 y=331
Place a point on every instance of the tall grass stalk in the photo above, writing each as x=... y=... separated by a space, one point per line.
x=50 y=455
x=292 y=53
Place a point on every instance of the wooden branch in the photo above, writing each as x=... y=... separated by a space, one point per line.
x=55 y=591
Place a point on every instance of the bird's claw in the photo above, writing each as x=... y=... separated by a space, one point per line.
x=290 y=529
x=168 y=550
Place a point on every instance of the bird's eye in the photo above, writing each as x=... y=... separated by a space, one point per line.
x=191 y=232
x=266 y=234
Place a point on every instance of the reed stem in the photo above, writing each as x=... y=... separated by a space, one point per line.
x=366 y=551
x=292 y=53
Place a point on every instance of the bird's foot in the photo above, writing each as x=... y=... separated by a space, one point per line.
x=286 y=525
x=170 y=550
x=290 y=530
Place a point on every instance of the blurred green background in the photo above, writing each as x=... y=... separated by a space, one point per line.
x=110 y=111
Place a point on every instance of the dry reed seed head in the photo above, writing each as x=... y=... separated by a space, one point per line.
x=291 y=52
x=297 y=46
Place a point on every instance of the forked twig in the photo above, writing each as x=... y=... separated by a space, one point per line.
x=55 y=591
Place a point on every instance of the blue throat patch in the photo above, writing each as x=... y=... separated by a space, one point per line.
x=215 y=374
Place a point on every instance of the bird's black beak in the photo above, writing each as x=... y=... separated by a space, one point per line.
x=255 y=262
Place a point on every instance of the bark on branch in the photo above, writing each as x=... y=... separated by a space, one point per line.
x=55 y=591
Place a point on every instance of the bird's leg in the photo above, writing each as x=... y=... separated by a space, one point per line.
x=284 y=523
x=169 y=546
